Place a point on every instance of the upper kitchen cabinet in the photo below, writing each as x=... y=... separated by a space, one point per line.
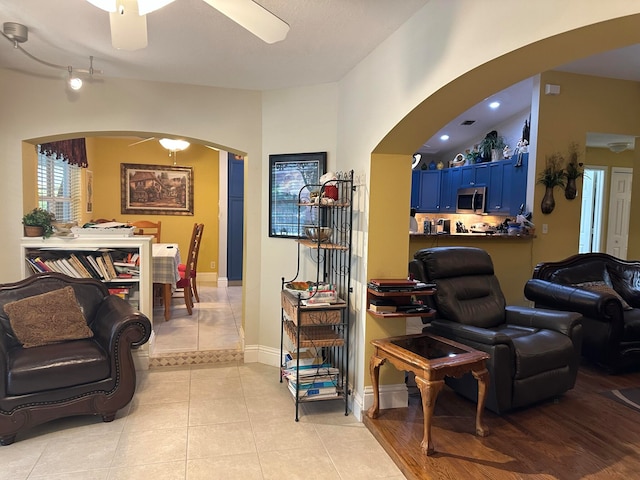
x=429 y=196
x=450 y=181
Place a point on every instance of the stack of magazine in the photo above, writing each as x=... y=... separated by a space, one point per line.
x=309 y=377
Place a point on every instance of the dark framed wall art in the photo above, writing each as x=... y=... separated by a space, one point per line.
x=156 y=189
x=292 y=176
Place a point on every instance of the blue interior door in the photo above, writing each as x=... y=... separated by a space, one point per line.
x=235 y=217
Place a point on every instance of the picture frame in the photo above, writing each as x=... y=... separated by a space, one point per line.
x=88 y=178
x=290 y=175
x=156 y=189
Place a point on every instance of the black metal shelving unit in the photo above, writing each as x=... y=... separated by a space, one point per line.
x=323 y=327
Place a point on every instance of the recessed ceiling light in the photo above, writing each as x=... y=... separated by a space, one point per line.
x=494 y=105
x=444 y=138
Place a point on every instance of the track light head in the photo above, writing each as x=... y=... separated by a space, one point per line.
x=75 y=83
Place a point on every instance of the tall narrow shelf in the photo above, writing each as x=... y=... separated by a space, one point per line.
x=310 y=321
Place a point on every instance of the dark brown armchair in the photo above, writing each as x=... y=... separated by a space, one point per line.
x=534 y=352
x=59 y=367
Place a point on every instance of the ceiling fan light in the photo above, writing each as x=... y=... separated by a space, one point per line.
x=173 y=144
x=148 y=6
x=618 y=147
x=106 y=5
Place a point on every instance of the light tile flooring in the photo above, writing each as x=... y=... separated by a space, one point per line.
x=233 y=421
x=214 y=325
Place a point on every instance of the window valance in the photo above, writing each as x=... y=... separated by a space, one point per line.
x=72 y=151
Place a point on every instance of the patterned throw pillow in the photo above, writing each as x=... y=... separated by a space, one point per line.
x=602 y=287
x=47 y=318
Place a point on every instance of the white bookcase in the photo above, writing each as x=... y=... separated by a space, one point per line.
x=140 y=244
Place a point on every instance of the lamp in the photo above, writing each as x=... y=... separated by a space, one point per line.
x=144 y=6
x=17 y=34
x=174 y=145
x=618 y=147
x=75 y=83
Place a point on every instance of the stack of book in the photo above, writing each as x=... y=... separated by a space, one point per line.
x=309 y=378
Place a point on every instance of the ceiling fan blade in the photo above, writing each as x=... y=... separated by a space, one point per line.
x=141 y=141
x=128 y=29
x=255 y=18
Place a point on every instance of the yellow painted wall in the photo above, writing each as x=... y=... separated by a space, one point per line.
x=105 y=156
x=585 y=104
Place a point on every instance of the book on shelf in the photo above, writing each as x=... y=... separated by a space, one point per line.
x=312 y=370
x=304 y=357
x=314 y=393
x=382 y=308
x=315 y=384
x=108 y=261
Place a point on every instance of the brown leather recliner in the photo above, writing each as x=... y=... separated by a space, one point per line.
x=88 y=376
x=534 y=352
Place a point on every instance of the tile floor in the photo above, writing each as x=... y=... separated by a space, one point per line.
x=224 y=421
x=214 y=325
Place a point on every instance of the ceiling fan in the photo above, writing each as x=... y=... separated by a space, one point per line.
x=129 y=22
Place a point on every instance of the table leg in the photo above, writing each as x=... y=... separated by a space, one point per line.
x=166 y=298
x=374 y=371
x=483 y=383
x=429 y=391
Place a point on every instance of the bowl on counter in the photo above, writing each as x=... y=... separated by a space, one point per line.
x=315 y=234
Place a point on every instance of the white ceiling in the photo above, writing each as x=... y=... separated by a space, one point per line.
x=192 y=43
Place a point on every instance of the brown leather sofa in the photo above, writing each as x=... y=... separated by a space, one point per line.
x=534 y=352
x=87 y=376
x=611 y=328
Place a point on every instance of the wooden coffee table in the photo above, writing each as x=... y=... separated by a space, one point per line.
x=430 y=358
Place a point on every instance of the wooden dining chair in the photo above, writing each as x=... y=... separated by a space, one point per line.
x=187 y=270
x=145 y=227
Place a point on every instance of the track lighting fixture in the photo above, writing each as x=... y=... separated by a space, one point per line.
x=18 y=34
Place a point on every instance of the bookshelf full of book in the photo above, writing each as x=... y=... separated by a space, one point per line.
x=315 y=314
x=122 y=263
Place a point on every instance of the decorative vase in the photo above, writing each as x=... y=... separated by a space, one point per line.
x=33 y=231
x=570 y=190
x=548 y=202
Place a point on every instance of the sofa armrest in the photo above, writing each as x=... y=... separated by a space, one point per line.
x=599 y=306
x=115 y=315
x=463 y=332
x=560 y=321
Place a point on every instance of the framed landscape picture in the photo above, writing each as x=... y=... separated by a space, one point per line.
x=292 y=176
x=156 y=189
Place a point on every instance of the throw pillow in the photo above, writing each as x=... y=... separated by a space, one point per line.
x=602 y=287
x=47 y=318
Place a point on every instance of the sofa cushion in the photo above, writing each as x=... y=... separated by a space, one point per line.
x=50 y=317
x=626 y=281
x=602 y=287
x=56 y=366
x=541 y=352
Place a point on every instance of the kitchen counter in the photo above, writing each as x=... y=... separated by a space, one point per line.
x=470 y=235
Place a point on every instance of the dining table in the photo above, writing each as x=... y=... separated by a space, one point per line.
x=166 y=258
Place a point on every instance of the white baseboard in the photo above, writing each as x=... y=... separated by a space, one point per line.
x=391 y=396
x=261 y=354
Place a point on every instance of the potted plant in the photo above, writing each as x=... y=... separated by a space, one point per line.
x=38 y=222
x=491 y=146
x=552 y=176
x=573 y=171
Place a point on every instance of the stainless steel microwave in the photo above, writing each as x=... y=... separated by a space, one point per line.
x=471 y=200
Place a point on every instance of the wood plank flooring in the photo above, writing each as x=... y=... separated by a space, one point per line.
x=581 y=435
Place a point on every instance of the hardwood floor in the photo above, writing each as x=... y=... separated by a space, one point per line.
x=581 y=435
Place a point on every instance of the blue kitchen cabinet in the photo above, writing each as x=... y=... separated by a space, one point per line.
x=429 y=191
x=450 y=181
x=499 y=196
x=415 y=189
x=518 y=188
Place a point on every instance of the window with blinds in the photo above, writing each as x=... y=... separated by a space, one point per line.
x=59 y=188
